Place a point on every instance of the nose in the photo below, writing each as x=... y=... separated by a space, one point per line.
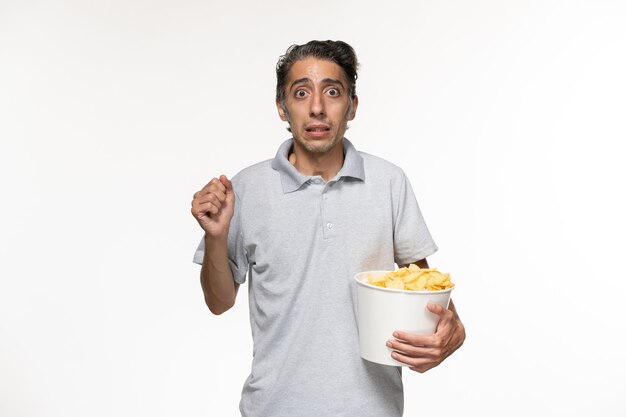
x=317 y=105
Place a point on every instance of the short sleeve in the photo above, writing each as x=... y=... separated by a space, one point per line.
x=412 y=240
x=236 y=252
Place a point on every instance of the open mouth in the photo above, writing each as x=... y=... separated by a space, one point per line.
x=317 y=129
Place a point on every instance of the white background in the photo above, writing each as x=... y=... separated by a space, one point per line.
x=506 y=115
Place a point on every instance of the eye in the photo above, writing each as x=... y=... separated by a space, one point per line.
x=301 y=93
x=333 y=92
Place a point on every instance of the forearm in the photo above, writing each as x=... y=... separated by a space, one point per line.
x=220 y=290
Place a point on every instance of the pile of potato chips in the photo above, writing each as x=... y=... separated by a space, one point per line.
x=413 y=278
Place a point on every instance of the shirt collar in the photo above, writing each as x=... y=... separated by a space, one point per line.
x=292 y=179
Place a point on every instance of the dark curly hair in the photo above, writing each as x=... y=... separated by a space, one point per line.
x=338 y=52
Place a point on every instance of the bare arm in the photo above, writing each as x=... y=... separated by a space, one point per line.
x=216 y=277
x=213 y=208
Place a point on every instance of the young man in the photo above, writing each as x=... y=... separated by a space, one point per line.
x=299 y=227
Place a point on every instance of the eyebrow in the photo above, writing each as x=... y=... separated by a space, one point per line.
x=306 y=80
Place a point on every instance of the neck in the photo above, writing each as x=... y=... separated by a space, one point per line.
x=325 y=164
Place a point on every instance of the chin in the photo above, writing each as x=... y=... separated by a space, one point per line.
x=318 y=146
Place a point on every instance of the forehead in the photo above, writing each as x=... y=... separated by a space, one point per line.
x=316 y=70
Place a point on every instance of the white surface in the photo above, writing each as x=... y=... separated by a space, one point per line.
x=381 y=311
x=507 y=116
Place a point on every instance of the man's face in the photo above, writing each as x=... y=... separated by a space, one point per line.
x=317 y=104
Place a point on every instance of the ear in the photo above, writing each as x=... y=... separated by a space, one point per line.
x=355 y=104
x=281 y=111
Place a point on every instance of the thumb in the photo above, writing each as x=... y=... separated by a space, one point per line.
x=227 y=183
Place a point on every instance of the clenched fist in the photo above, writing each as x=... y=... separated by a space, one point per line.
x=213 y=207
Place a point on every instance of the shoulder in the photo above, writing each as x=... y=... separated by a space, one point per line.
x=378 y=167
x=257 y=178
x=253 y=173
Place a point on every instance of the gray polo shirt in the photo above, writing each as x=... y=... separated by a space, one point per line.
x=299 y=241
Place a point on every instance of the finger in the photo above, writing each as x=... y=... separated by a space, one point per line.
x=212 y=187
x=414 y=339
x=415 y=364
x=220 y=194
x=446 y=318
x=437 y=309
x=214 y=184
x=423 y=368
x=210 y=208
x=210 y=198
x=206 y=209
x=413 y=351
x=215 y=196
x=228 y=185
x=213 y=199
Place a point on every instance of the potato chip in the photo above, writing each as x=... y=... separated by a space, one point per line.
x=413 y=278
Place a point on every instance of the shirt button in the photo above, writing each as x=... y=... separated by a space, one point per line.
x=329 y=225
